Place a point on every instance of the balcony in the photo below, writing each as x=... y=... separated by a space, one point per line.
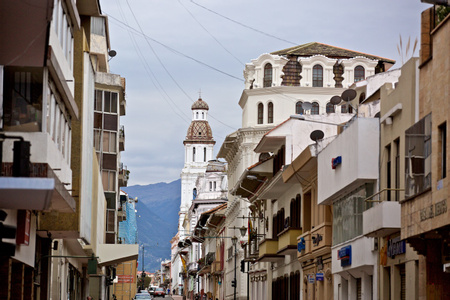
x=215 y=267
x=382 y=219
x=268 y=251
x=251 y=250
x=123 y=175
x=287 y=241
x=122 y=139
x=192 y=268
x=304 y=247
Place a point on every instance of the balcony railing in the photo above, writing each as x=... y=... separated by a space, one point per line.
x=287 y=240
x=123 y=175
x=122 y=138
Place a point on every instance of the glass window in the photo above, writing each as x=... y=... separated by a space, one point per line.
x=204 y=154
x=193 y=153
x=348 y=212
x=97 y=139
x=315 y=108
x=299 y=109
x=330 y=108
x=270 y=113
x=359 y=73
x=98 y=100
x=260 y=113
x=317 y=76
x=109 y=141
x=418 y=157
x=267 y=75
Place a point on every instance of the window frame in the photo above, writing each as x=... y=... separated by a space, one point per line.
x=268 y=72
x=270 y=112
x=361 y=71
x=317 y=76
x=260 y=114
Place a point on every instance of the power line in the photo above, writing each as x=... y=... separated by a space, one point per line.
x=204 y=28
x=176 y=51
x=243 y=25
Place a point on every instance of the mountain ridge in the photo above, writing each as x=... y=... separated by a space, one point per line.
x=157 y=209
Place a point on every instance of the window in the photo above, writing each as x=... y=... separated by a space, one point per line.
x=359 y=73
x=22 y=99
x=214 y=186
x=346 y=108
x=204 y=154
x=194 y=193
x=296 y=212
x=193 y=154
x=442 y=167
x=109 y=141
x=97 y=139
x=362 y=97
x=267 y=75
x=330 y=108
x=388 y=171
x=397 y=168
x=270 y=113
x=348 y=212
x=109 y=180
x=260 y=113
x=317 y=76
x=98 y=100
x=298 y=108
x=315 y=108
x=210 y=186
x=418 y=157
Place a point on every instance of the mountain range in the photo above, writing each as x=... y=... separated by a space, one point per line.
x=157 y=220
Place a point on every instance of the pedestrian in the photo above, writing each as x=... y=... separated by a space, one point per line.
x=168 y=291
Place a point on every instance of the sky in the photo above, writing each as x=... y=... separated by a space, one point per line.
x=172 y=51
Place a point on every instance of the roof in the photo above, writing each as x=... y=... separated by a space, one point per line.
x=199 y=131
x=315 y=48
x=200 y=104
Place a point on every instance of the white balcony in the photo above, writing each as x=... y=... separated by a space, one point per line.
x=382 y=219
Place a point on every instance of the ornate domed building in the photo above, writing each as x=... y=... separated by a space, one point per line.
x=198 y=150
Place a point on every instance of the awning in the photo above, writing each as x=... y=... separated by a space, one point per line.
x=302 y=165
x=110 y=254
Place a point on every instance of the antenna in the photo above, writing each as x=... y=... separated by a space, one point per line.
x=306 y=105
x=335 y=100
x=316 y=135
x=348 y=95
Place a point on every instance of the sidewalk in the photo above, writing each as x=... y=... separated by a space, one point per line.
x=175 y=297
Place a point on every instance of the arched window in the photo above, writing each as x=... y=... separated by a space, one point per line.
x=317 y=76
x=260 y=113
x=204 y=154
x=298 y=108
x=193 y=154
x=267 y=75
x=315 y=108
x=362 y=97
x=359 y=73
x=203 y=115
x=194 y=193
x=330 y=108
x=270 y=113
x=196 y=115
x=344 y=109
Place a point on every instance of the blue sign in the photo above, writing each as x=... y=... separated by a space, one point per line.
x=319 y=276
x=345 y=256
x=301 y=245
x=396 y=247
x=336 y=161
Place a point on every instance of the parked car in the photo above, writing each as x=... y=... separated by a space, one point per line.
x=143 y=295
x=152 y=291
x=159 y=292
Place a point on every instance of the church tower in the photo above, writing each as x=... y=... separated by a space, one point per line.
x=198 y=150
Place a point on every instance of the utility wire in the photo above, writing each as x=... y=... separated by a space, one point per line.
x=243 y=25
x=152 y=76
x=218 y=42
x=175 y=51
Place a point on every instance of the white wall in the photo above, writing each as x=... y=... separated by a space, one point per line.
x=359 y=146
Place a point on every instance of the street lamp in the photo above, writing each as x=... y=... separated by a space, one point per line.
x=234 y=240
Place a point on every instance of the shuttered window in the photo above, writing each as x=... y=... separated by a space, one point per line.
x=358 y=288
x=402 y=282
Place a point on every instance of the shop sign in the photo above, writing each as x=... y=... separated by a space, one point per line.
x=125 y=278
x=396 y=247
x=345 y=256
x=336 y=162
x=433 y=210
x=311 y=278
x=319 y=276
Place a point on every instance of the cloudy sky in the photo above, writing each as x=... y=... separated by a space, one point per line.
x=170 y=50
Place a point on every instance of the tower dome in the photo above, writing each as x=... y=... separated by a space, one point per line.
x=199 y=131
x=200 y=104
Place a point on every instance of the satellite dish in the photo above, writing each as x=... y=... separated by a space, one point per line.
x=335 y=100
x=316 y=135
x=112 y=53
x=306 y=105
x=348 y=95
